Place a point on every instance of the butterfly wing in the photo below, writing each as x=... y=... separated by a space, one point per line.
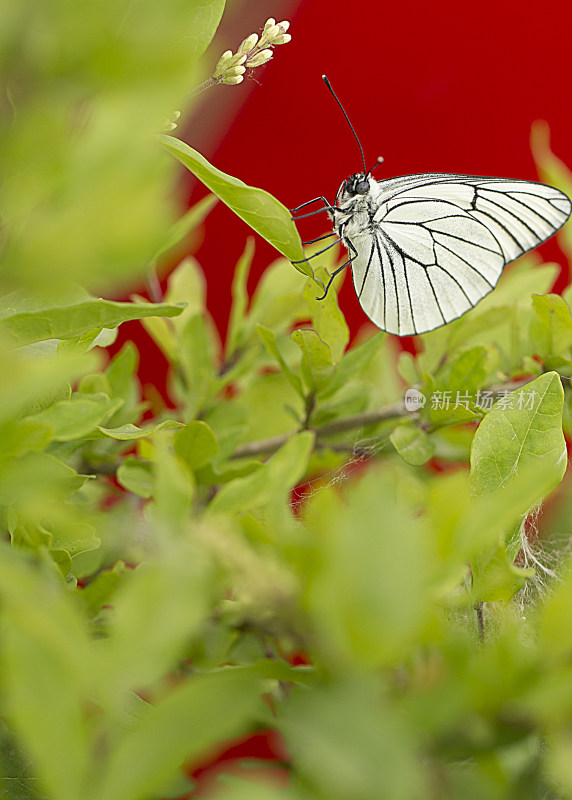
x=438 y=244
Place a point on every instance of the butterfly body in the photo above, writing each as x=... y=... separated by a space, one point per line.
x=424 y=249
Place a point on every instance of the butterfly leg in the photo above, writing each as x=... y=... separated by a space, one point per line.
x=309 y=202
x=339 y=269
x=319 y=239
x=319 y=253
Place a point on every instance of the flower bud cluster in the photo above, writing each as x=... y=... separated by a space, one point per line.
x=253 y=52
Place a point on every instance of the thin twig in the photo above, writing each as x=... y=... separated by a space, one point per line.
x=266 y=446
x=480 y=620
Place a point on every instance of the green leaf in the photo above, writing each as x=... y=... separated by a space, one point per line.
x=236 y=323
x=79 y=416
x=201 y=21
x=19 y=326
x=194 y=717
x=17 y=778
x=352 y=717
x=317 y=368
x=196 y=444
x=413 y=444
x=266 y=215
x=136 y=476
x=46 y=673
x=551 y=329
x=39 y=476
x=197 y=365
x=269 y=339
x=121 y=370
x=183 y=226
x=99 y=592
x=74 y=538
x=282 y=471
x=129 y=432
x=327 y=319
x=523 y=429
x=354 y=362
x=158 y=608
x=495 y=579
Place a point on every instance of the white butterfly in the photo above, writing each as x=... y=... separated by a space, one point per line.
x=424 y=249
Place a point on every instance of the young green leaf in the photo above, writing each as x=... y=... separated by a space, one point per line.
x=196 y=444
x=269 y=340
x=79 y=416
x=266 y=215
x=130 y=432
x=136 y=476
x=413 y=444
x=317 y=368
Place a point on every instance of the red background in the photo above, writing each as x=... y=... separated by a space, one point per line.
x=445 y=87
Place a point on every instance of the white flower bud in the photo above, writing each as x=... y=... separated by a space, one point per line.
x=284 y=25
x=232 y=80
x=259 y=58
x=234 y=71
x=269 y=23
x=269 y=34
x=236 y=60
x=248 y=44
x=284 y=38
x=222 y=63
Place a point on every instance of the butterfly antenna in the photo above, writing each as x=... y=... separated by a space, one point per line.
x=334 y=95
x=376 y=165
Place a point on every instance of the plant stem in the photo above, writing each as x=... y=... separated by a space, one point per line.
x=353 y=422
x=202 y=87
x=266 y=446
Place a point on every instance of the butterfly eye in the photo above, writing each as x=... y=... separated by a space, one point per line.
x=362 y=187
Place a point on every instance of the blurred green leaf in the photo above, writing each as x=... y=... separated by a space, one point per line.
x=370 y=595
x=183 y=226
x=185 y=725
x=203 y=20
x=79 y=416
x=46 y=673
x=136 y=476
x=129 y=432
x=551 y=329
x=413 y=444
x=266 y=215
x=196 y=444
x=20 y=326
x=269 y=339
x=237 y=320
x=351 y=717
x=158 y=608
x=99 y=591
x=282 y=470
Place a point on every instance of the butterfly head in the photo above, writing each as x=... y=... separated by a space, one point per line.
x=356 y=186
